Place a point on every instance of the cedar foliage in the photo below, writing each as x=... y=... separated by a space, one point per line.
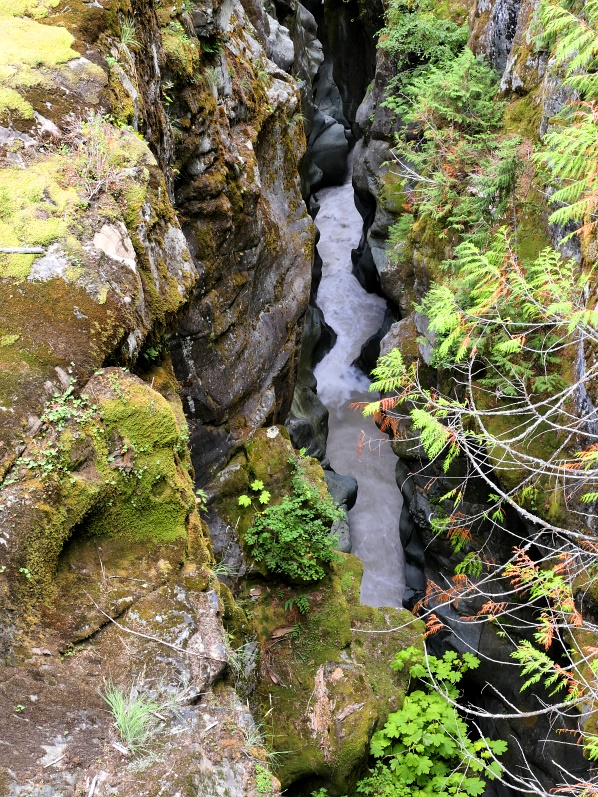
x=570 y=150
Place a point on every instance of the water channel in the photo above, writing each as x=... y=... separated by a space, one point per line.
x=355 y=315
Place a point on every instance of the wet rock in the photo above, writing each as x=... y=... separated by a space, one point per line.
x=212 y=17
x=351 y=29
x=372 y=348
x=340 y=529
x=308 y=420
x=329 y=147
x=342 y=488
x=344 y=491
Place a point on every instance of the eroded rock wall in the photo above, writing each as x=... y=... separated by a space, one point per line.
x=151 y=216
x=503 y=32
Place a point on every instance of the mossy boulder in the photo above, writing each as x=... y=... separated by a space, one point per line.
x=326 y=683
x=107 y=472
x=268 y=459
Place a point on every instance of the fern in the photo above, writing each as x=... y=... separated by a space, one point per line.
x=539 y=666
x=571 y=148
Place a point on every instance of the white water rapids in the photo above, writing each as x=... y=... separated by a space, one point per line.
x=355 y=315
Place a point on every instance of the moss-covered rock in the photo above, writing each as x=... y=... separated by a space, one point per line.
x=112 y=468
x=270 y=460
x=326 y=682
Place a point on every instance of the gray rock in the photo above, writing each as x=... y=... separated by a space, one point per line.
x=342 y=488
x=212 y=17
x=341 y=529
x=279 y=46
x=307 y=422
x=329 y=149
x=53 y=264
x=207 y=648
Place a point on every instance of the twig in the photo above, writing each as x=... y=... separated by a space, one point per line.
x=92 y=788
x=56 y=760
x=22 y=250
x=102 y=566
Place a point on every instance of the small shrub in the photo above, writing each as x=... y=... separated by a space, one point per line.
x=293 y=537
x=93 y=143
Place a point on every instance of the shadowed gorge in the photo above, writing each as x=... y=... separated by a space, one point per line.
x=298 y=385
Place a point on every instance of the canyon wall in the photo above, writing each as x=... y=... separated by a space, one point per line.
x=156 y=259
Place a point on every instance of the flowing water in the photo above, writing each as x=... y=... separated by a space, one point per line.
x=355 y=315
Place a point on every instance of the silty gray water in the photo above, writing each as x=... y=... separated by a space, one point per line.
x=355 y=315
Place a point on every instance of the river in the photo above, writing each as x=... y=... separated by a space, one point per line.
x=355 y=315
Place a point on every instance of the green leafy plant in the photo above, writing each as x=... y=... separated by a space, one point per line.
x=424 y=748
x=263 y=496
x=300 y=602
x=211 y=46
x=293 y=537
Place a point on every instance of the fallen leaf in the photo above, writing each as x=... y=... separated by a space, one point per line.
x=284 y=630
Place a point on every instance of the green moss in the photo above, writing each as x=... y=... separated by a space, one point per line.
x=34 y=211
x=153 y=495
x=13 y=105
x=117 y=471
x=523 y=117
x=25 y=41
x=532 y=231
x=326 y=686
x=32 y=8
x=391 y=194
x=182 y=53
x=455 y=10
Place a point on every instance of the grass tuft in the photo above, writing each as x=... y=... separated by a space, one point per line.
x=135 y=715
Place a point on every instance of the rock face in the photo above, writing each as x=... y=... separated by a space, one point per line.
x=351 y=29
x=327 y=683
x=238 y=189
x=501 y=31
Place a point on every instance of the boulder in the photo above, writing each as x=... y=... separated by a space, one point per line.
x=327 y=686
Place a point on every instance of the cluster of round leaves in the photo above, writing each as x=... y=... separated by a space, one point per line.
x=293 y=538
